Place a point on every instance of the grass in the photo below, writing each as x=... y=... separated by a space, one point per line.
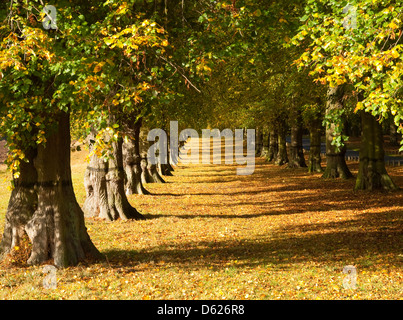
x=209 y=234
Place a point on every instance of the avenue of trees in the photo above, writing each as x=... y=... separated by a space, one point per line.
x=113 y=70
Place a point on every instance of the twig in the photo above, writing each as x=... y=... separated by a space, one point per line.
x=177 y=69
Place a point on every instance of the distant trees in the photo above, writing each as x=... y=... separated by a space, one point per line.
x=352 y=52
x=358 y=45
x=111 y=69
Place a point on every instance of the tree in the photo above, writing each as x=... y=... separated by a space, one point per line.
x=104 y=184
x=134 y=82
x=296 y=154
x=259 y=85
x=372 y=174
x=39 y=69
x=132 y=158
x=104 y=60
x=358 y=45
x=335 y=153
x=313 y=118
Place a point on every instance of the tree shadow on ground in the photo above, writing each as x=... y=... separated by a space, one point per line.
x=368 y=240
x=221 y=216
x=286 y=204
x=365 y=239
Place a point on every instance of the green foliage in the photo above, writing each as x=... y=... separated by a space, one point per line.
x=105 y=59
x=253 y=83
x=365 y=53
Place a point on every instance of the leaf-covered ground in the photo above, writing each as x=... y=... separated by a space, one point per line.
x=210 y=234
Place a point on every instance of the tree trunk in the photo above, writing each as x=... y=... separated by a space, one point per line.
x=259 y=142
x=335 y=157
x=155 y=177
x=172 y=162
x=372 y=173
x=265 y=145
x=165 y=168
x=296 y=159
x=104 y=185
x=314 y=160
x=282 y=157
x=393 y=134
x=149 y=171
x=21 y=207
x=145 y=175
x=43 y=206
x=132 y=167
x=273 y=146
x=169 y=165
x=132 y=160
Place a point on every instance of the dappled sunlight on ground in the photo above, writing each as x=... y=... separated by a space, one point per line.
x=210 y=234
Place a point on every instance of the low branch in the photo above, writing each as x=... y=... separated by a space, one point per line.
x=181 y=73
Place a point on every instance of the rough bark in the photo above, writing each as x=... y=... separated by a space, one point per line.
x=282 y=157
x=132 y=160
x=154 y=175
x=132 y=168
x=296 y=156
x=259 y=142
x=165 y=168
x=314 y=160
x=43 y=206
x=372 y=173
x=149 y=170
x=169 y=164
x=145 y=175
x=273 y=146
x=173 y=162
x=335 y=157
x=105 y=189
x=23 y=203
x=393 y=134
x=336 y=166
x=265 y=145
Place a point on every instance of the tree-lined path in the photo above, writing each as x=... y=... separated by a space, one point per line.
x=83 y=84
x=211 y=234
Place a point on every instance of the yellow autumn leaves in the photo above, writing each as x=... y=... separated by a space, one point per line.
x=14 y=52
x=99 y=66
x=349 y=66
x=135 y=37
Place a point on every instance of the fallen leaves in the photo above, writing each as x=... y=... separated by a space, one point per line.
x=277 y=234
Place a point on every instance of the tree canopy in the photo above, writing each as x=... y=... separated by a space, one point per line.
x=104 y=70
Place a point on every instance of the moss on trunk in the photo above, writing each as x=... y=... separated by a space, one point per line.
x=314 y=160
x=372 y=173
x=336 y=165
x=282 y=157
x=273 y=146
